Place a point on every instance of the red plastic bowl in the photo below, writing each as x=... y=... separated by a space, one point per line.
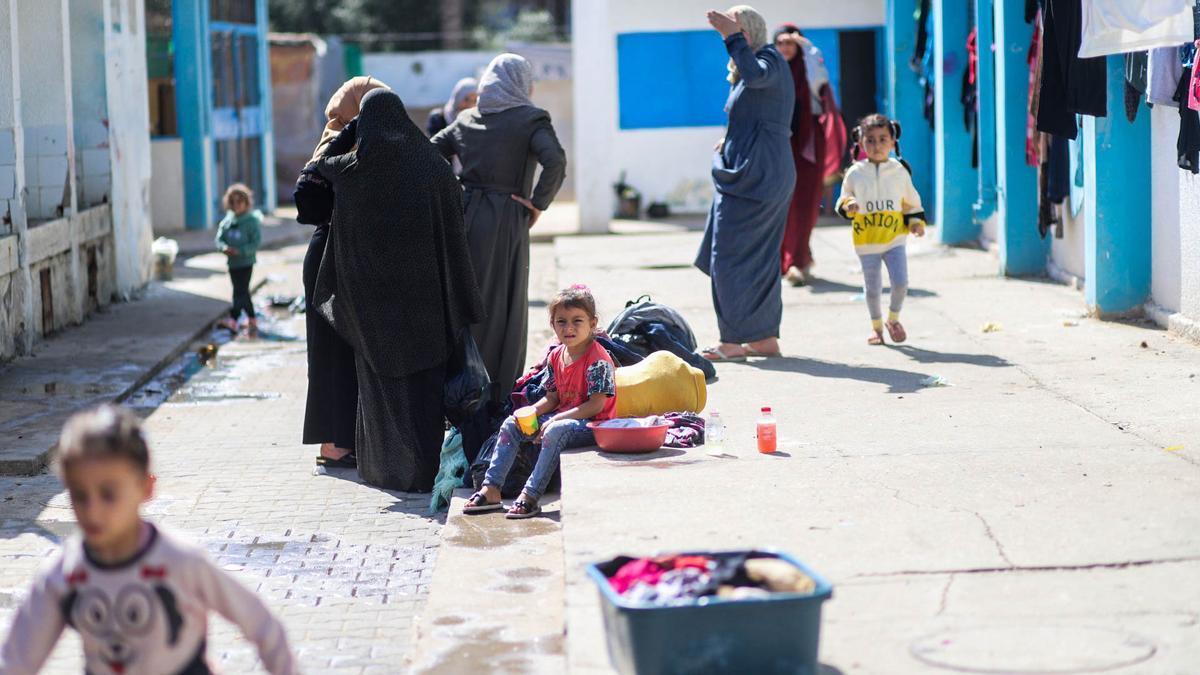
x=629 y=439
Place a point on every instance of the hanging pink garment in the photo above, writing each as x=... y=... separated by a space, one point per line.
x=1194 y=85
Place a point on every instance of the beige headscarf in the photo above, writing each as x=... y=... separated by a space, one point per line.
x=343 y=106
x=756 y=33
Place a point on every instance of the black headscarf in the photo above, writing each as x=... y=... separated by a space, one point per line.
x=396 y=280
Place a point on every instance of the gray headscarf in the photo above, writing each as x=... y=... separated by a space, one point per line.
x=505 y=84
x=461 y=89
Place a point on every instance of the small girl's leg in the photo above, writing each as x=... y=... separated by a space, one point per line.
x=873 y=291
x=559 y=436
x=897 y=266
x=508 y=442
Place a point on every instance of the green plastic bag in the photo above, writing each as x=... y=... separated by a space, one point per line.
x=451 y=469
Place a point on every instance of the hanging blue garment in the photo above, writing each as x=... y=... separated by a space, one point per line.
x=1075 y=150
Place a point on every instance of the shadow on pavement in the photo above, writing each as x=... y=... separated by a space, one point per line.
x=822 y=286
x=927 y=356
x=409 y=503
x=826 y=669
x=897 y=381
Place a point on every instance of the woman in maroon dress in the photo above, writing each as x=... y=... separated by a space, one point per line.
x=808 y=152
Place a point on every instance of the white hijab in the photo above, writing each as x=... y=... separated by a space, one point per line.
x=461 y=89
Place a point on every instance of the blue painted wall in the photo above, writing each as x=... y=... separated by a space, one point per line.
x=956 y=182
x=1117 y=203
x=671 y=79
x=906 y=99
x=1022 y=250
x=193 y=101
x=985 y=204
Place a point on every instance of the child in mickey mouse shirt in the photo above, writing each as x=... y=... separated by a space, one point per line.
x=138 y=596
x=879 y=197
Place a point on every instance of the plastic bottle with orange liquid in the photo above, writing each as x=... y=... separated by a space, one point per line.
x=767 y=440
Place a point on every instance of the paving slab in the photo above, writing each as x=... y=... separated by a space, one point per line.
x=1035 y=515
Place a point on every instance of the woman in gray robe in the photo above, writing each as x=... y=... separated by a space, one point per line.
x=500 y=143
x=753 y=177
x=396 y=283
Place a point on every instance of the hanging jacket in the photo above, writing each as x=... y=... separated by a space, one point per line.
x=887 y=202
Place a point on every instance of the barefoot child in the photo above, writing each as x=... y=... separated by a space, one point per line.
x=879 y=197
x=138 y=596
x=238 y=237
x=581 y=387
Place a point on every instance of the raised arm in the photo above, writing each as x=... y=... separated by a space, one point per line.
x=243 y=608
x=755 y=72
x=34 y=631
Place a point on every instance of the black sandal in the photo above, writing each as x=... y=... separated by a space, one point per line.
x=477 y=503
x=522 y=509
x=346 y=461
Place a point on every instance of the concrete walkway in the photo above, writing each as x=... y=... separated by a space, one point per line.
x=1039 y=515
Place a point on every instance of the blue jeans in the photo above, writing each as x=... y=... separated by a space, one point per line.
x=558 y=436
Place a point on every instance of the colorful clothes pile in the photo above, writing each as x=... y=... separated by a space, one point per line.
x=682 y=579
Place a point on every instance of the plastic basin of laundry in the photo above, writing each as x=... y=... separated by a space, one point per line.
x=777 y=634
x=629 y=439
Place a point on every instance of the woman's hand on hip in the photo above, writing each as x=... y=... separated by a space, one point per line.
x=724 y=23
x=534 y=212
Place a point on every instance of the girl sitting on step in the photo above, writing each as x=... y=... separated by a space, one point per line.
x=581 y=388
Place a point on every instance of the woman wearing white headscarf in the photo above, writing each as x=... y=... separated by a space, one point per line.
x=500 y=143
x=462 y=97
x=753 y=178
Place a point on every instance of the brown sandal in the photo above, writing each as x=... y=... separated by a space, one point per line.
x=896 y=331
x=876 y=339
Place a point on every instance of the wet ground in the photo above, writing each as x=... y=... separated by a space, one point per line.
x=345 y=565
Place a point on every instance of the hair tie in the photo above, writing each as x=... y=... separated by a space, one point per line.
x=580 y=287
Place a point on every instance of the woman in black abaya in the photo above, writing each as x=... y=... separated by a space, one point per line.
x=396 y=283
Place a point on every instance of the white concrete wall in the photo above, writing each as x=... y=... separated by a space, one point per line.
x=1165 y=212
x=45 y=107
x=166 y=197
x=1067 y=254
x=665 y=164
x=89 y=103
x=1189 y=246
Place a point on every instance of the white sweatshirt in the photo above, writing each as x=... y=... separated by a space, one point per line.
x=887 y=202
x=147 y=616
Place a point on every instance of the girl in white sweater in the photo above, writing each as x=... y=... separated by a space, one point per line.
x=879 y=198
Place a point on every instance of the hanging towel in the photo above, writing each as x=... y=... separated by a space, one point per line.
x=1119 y=26
x=1076 y=152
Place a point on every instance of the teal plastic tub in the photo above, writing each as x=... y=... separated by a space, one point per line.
x=779 y=634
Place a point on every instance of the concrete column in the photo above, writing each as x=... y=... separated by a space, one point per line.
x=1117 y=209
x=1022 y=251
x=985 y=204
x=12 y=153
x=193 y=101
x=594 y=59
x=268 y=198
x=955 y=180
x=906 y=100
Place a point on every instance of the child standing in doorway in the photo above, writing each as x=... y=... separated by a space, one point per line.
x=878 y=196
x=238 y=237
x=581 y=387
x=138 y=596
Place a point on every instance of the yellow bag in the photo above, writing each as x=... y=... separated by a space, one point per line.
x=662 y=383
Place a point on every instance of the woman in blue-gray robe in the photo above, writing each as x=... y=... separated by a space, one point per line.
x=753 y=178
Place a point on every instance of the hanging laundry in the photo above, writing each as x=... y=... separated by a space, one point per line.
x=923 y=15
x=1075 y=149
x=1070 y=84
x=1119 y=26
x=1031 y=10
x=1033 y=58
x=1136 y=64
x=970 y=89
x=1188 y=145
x=1162 y=76
x=1193 y=97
